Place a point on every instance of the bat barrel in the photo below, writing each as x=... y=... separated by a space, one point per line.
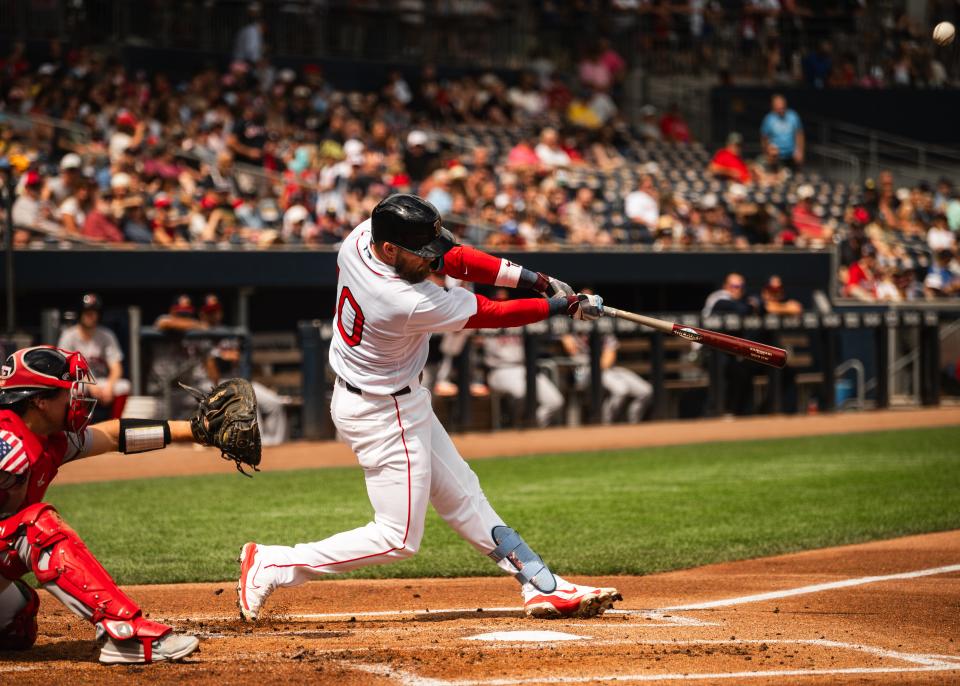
x=752 y=350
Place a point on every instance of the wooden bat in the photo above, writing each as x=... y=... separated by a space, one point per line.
x=758 y=352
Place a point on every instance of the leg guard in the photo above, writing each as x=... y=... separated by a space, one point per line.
x=530 y=568
x=67 y=568
x=21 y=632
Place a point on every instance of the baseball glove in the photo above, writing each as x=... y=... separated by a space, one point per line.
x=227 y=419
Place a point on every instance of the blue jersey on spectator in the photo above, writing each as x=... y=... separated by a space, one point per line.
x=782 y=131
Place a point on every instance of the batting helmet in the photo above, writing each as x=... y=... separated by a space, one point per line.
x=412 y=223
x=31 y=371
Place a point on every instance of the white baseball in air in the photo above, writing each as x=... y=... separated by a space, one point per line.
x=943 y=33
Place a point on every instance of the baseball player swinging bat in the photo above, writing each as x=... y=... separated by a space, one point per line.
x=758 y=352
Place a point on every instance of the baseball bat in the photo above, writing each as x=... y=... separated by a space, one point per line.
x=752 y=350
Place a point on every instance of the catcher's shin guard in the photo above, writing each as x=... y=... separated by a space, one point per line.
x=67 y=569
x=20 y=632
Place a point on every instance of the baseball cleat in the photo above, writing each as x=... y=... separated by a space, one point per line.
x=254 y=588
x=169 y=648
x=570 y=600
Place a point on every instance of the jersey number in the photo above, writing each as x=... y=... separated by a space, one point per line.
x=356 y=333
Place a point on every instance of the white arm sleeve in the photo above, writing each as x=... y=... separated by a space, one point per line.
x=440 y=311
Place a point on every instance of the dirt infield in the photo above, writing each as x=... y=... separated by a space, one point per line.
x=878 y=613
x=177 y=461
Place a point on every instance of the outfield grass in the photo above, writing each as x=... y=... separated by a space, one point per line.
x=623 y=512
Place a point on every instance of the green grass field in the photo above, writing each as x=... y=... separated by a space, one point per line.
x=629 y=512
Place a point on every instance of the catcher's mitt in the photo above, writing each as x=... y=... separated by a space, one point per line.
x=227 y=419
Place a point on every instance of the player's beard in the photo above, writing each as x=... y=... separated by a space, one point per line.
x=411 y=268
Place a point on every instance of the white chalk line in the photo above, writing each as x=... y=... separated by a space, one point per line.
x=815 y=588
x=923 y=663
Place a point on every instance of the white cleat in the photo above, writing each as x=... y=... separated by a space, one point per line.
x=570 y=600
x=169 y=648
x=255 y=584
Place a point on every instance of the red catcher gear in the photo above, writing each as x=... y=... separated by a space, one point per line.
x=32 y=370
x=45 y=455
x=72 y=568
x=21 y=632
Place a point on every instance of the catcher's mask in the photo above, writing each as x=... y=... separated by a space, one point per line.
x=31 y=371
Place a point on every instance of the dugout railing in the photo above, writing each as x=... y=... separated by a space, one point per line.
x=818 y=346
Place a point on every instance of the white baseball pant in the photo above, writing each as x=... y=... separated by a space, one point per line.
x=512 y=381
x=622 y=383
x=408 y=460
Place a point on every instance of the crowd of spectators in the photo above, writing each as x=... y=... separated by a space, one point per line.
x=259 y=156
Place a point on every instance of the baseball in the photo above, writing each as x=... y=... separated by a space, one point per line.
x=943 y=33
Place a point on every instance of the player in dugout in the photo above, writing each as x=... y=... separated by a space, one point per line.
x=386 y=310
x=45 y=411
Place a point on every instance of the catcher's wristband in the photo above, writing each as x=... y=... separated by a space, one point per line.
x=142 y=435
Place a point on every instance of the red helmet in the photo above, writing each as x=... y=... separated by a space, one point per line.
x=30 y=371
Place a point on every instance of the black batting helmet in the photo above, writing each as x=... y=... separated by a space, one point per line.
x=412 y=223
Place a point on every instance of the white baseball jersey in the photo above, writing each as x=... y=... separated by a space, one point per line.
x=382 y=323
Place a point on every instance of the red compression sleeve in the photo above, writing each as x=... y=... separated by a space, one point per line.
x=495 y=314
x=470 y=264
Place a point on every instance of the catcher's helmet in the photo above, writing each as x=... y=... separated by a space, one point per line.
x=31 y=371
x=412 y=223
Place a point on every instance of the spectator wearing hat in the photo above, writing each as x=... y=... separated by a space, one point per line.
x=168 y=228
x=29 y=210
x=298 y=228
x=418 y=161
x=62 y=186
x=100 y=347
x=774 y=298
x=127 y=208
x=732 y=299
x=177 y=358
x=783 y=128
x=809 y=227
x=728 y=162
x=128 y=135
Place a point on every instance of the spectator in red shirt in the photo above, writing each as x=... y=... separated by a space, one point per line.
x=808 y=225
x=861 y=278
x=99 y=225
x=728 y=162
x=674 y=126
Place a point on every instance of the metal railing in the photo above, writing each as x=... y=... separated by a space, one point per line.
x=913 y=160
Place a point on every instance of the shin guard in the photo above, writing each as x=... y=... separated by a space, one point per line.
x=530 y=567
x=65 y=566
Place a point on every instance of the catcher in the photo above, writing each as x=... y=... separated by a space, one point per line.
x=44 y=417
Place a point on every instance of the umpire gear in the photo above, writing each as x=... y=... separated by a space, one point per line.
x=412 y=223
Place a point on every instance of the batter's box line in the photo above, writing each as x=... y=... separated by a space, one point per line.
x=921 y=662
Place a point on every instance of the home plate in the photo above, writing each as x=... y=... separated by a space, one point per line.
x=526 y=636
